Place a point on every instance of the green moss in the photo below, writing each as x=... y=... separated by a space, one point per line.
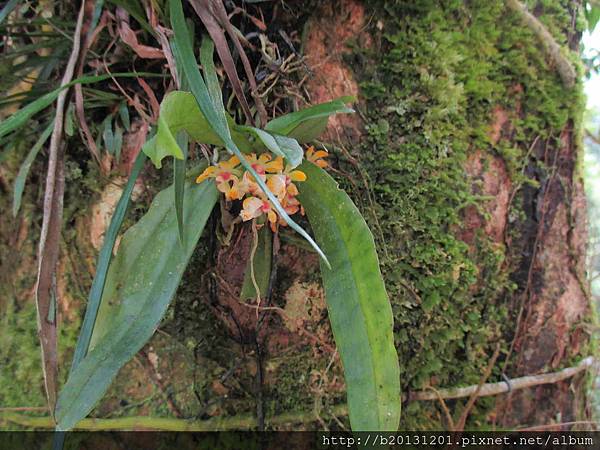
x=430 y=89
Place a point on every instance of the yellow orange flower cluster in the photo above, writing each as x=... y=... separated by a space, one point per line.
x=237 y=184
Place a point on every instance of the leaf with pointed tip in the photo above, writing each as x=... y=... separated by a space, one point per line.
x=142 y=280
x=102 y=266
x=307 y=124
x=359 y=309
x=283 y=146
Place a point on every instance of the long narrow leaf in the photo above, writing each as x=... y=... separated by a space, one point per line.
x=216 y=117
x=307 y=124
x=142 y=279
x=359 y=309
x=7 y=9
x=18 y=119
x=203 y=10
x=104 y=258
x=24 y=169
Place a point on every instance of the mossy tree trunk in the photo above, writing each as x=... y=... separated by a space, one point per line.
x=466 y=157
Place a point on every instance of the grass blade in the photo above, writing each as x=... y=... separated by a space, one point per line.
x=24 y=169
x=104 y=258
x=8 y=8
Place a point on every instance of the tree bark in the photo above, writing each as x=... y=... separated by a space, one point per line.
x=530 y=207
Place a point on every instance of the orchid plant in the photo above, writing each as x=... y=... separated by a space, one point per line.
x=269 y=173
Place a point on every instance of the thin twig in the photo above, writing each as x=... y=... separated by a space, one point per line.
x=444 y=406
x=473 y=398
x=512 y=385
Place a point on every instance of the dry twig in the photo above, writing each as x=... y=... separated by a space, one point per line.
x=50 y=235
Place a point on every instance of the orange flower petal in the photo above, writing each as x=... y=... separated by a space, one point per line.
x=252 y=208
x=276 y=185
x=320 y=154
x=298 y=175
x=275 y=166
x=206 y=174
x=292 y=190
x=264 y=158
x=230 y=163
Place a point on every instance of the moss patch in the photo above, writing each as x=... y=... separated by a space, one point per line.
x=430 y=84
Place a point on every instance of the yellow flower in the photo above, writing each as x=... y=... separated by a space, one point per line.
x=230 y=185
x=226 y=178
x=228 y=166
x=316 y=157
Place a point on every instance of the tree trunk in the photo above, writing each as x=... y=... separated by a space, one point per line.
x=468 y=145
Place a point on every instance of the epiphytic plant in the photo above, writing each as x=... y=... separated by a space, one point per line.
x=265 y=169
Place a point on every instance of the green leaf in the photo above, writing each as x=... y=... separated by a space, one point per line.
x=213 y=87
x=7 y=9
x=359 y=309
x=592 y=16
x=104 y=258
x=283 y=146
x=179 y=183
x=260 y=265
x=179 y=112
x=215 y=114
x=24 y=169
x=108 y=136
x=307 y=124
x=124 y=115
x=163 y=144
x=142 y=279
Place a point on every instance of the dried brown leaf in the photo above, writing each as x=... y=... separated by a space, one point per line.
x=129 y=37
x=50 y=235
